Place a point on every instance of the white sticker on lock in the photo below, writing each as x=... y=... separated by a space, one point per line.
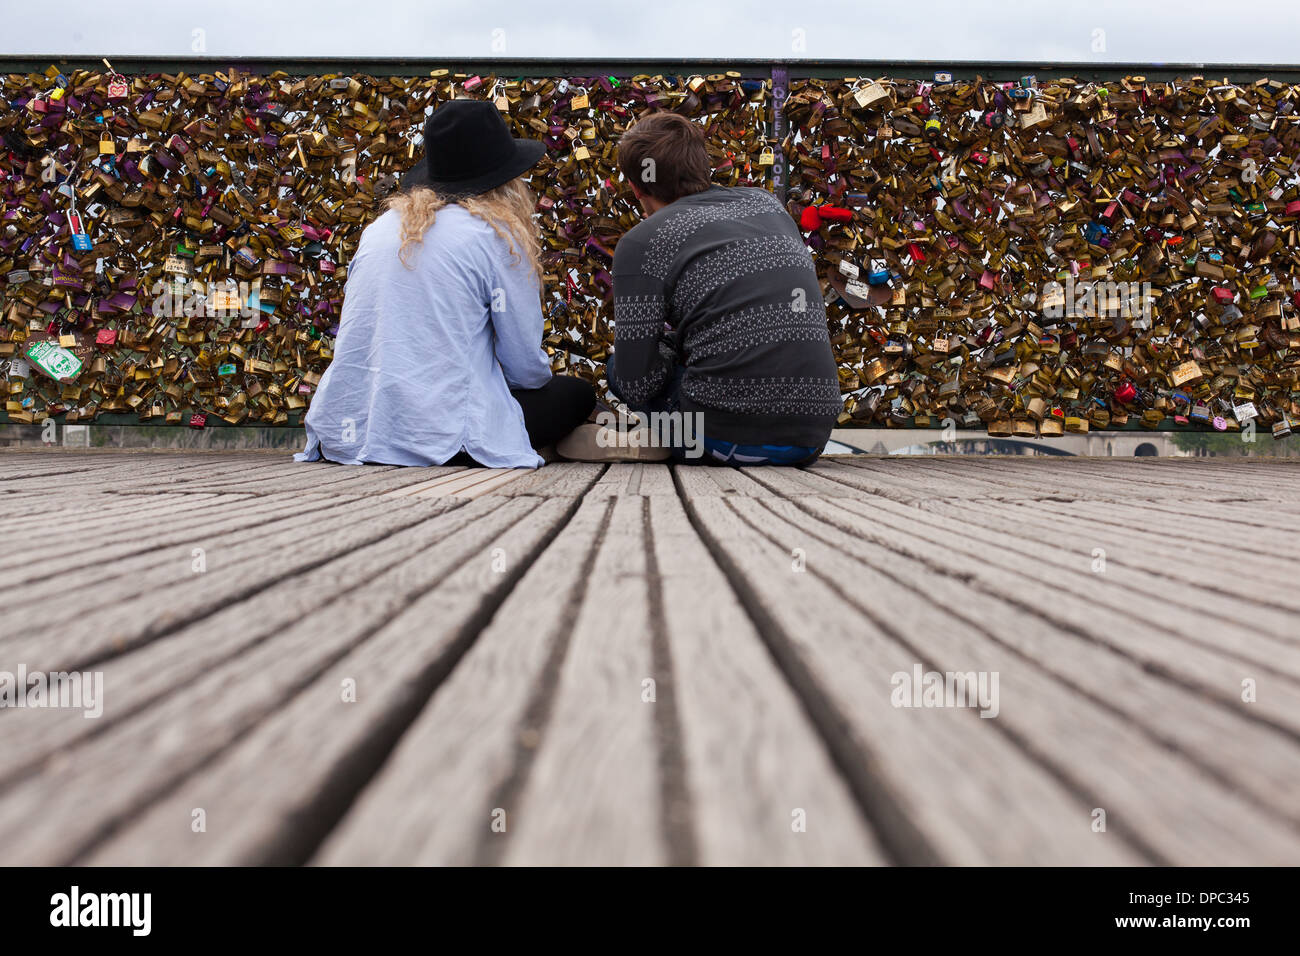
x=858 y=289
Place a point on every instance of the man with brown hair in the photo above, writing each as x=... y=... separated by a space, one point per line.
x=718 y=314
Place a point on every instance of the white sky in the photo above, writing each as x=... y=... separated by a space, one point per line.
x=1146 y=31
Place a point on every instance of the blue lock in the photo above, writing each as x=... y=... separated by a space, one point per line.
x=1094 y=231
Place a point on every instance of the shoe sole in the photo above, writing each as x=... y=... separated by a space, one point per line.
x=581 y=445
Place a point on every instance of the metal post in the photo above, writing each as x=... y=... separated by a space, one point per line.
x=780 y=88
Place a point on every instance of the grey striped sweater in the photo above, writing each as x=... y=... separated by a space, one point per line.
x=721 y=285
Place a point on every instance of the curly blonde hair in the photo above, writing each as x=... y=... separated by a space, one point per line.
x=508 y=209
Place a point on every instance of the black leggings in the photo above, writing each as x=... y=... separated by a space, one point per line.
x=550 y=412
x=555 y=409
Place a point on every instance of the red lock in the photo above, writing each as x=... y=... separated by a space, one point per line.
x=1125 y=392
x=106 y=338
x=198 y=420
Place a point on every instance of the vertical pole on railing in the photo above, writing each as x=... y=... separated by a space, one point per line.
x=780 y=88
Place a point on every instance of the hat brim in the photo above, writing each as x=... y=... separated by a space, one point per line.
x=528 y=152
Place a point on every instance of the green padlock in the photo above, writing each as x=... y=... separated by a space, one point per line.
x=58 y=363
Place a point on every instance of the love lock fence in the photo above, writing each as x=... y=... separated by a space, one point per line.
x=1027 y=251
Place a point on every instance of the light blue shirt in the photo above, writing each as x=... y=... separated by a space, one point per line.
x=425 y=357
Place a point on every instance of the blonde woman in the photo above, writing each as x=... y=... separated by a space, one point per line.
x=439 y=352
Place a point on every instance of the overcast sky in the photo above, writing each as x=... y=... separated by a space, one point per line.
x=1148 y=31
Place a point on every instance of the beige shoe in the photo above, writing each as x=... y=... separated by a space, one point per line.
x=598 y=443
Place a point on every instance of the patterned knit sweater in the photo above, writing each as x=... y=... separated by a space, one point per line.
x=720 y=286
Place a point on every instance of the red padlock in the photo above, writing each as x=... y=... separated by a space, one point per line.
x=106 y=338
x=1125 y=392
x=198 y=420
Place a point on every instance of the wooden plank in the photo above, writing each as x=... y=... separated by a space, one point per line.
x=1146 y=632
x=1098 y=499
x=103 y=547
x=468 y=483
x=74 y=519
x=750 y=756
x=107 y=781
x=166 y=595
x=1134 y=594
x=1222 y=580
x=494 y=485
x=170 y=664
x=272 y=795
x=437 y=793
x=994 y=802
x=558 y=479
x=125 y=551
x=753 y=759
x=635 y=478
x=592 y=793
x=1061 y=705
x=697 y=481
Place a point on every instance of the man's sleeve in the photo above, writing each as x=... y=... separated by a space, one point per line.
x=643 y=359
x=517 y=325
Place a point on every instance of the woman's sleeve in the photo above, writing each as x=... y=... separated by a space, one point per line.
x=516 y=309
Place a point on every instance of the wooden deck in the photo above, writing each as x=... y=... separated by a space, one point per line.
x=638 y=664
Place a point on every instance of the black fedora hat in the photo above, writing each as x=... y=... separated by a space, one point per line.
x=468 y=150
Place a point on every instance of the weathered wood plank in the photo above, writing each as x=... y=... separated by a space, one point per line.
x=271 y=796
x=471 y=745
x=167 y=594
x=592 y=792
x=170 y=664
x=1259 y=633
x=558 y=479
x=698 y=481
x=1146 y=631
x=750 y=756
x=1160 y=796
x=755 y=765
x=133 y=543
x=469 y=483
x=995 y=802
x=1219 y=577
x=634 y=478
x=108 y=780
